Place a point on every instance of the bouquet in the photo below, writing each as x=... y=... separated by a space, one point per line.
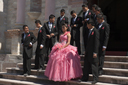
x=57 y=46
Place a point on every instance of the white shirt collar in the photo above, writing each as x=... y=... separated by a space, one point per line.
x=101 y=24
x=91 y=29
x=61 y=16
x=87 y=10
x=49 y=22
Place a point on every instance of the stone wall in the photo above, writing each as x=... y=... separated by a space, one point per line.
x=8 y=17
x=8 y=60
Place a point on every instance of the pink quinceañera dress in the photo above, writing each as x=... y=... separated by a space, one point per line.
x=63 y=64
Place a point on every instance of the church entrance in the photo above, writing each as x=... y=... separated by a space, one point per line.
x=117 y=17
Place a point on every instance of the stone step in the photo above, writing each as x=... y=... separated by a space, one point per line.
x=42 y=79
x=107 y=58
x=107 y=71
x=108 y=64
x=116 y=58
x=16 y=82
x=113 y=58
x=120 y=65
x=115 y=72
x=20 y=65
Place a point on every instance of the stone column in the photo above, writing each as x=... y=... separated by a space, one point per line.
x=49 y=8
x=20 y=18
x=15 y=41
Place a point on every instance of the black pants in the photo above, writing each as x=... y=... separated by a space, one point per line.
x=87 y=66
x=101 y=59
x=77 y=42
x=26 y=63
x=39 y=61
x=85 y=36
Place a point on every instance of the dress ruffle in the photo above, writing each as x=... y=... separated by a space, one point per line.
x=63 y=64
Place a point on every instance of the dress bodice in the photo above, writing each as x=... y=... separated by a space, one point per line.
x=64 y=38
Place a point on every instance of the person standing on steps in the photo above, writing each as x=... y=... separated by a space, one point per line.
x=104 y=31
x=91 y=56
x=28 y=39
x=40 y=50
x=51 y=33
x=76 y=23
x=87 y=14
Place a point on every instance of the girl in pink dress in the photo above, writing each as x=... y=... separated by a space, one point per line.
x=64 y=61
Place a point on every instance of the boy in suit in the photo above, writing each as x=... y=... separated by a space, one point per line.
x=87 y=14
x=28 y=39
x=61 y=20
x=76 y=23
x=104 y=31
x=40 y=50
x=51 y=33
x=91 y=59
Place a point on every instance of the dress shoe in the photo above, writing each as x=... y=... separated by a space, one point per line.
x=22 y=74
x=34 y=68
x=40 y=69
x=94 y=82
x=26 y=74
x=82 y=80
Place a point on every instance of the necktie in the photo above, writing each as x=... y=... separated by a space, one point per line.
x=50 y=26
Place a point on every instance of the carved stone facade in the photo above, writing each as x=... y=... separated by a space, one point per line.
x=15 y=13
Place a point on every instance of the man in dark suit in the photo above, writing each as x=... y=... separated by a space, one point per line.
x=51 y=33
x=76 y=23
x=99 y=11
x=40 y=50
x=104 y=31
x=61 y=20
x=91 y=59
x=94 y=11
x=87 y=14
x=28 y=39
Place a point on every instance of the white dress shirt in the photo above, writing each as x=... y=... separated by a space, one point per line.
x=50 y=26
x=86 y=13
x=75 y=18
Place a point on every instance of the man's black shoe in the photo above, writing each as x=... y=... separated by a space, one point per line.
x=94 y=82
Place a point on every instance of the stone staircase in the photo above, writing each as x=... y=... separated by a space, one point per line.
x=115 y=73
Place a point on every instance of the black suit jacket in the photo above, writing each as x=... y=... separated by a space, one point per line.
x=75 y=31
x=41 y=38
x=60 y=22
x=92 y=45
x=29 y=38
x=53 y=30
x=104 y=34
x=90 y=15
